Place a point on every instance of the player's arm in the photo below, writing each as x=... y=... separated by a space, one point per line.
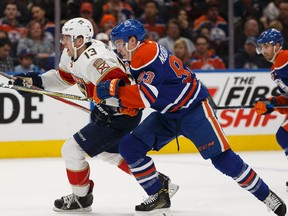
x=132 y=96
x=267 y=105
x=58 y=80
x=282 y=100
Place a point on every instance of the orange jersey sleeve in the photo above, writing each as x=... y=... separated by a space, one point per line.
x=130 y=97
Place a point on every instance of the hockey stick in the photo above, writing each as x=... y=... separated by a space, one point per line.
x=56 y=98
x=44 y=92
x=246 y=107
x=56 y=95
x=216 y=107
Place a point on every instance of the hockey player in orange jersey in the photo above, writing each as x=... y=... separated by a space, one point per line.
x=270 y=44
x=181 y=107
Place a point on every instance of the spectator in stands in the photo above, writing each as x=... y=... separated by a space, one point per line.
x=39 y=14
x=138 y=7
x=103 y=37
x=251 y=28
x=120 y=9
x=202 y=58
x=211 y=18
x=248 y=8
x=194 y=9
x=39 y=44
x=186 y=29
x=153 y=23
x=108 y=21
x=3 y=34
x=173 y=34
x=6 y=61
x=276 y=24
x=248 y=58
x=181 y=51
x=283 y=18
x=10 y=24
x=26 y=62
x=86 y=11
x=206 y=31
x=270 y=13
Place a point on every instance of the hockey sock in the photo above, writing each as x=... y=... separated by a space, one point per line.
x=282 y=139
x=79 y=181
x=142 y=167
x=232 y=165
x=145 y=173
x=124 y=167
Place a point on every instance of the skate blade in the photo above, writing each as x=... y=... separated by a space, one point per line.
x=156 y=212
x=172 y=189
x=87 y=209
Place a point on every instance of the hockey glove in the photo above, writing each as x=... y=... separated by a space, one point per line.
x=23 y=79
x=107 y=89
x=101 y=114
x=128 y=111
x=265 y=106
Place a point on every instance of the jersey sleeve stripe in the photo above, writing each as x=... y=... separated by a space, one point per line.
x=187 y=97
x=148 y=94
x=66 y=77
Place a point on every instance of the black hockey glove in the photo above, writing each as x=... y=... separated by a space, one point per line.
x=101 y=115
x=19 y=81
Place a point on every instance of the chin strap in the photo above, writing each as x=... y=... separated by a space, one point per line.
x=275 y=53
x=130 y=51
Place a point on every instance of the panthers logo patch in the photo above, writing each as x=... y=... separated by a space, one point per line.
x=101 y=65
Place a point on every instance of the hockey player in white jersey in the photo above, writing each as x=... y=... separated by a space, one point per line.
x=85 y=62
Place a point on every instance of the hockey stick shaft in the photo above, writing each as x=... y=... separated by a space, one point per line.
x=57 y=95
x=44 y=92
x=56 y=98
x=246 y=107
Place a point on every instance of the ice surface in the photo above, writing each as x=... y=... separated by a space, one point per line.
x=28 y=187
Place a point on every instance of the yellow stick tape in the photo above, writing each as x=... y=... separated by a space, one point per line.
x=52 y=148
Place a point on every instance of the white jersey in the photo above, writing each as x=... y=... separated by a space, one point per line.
x=97 y=63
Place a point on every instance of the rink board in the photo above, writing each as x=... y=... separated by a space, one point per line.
x=37 y=126
x=52 y=148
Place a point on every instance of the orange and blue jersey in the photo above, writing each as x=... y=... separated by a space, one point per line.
x=154 y=29
x=203 y=20
x=210 y=62
x=279 y=74
x=164 y=83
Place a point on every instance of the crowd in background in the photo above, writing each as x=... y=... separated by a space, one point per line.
x=196 y=31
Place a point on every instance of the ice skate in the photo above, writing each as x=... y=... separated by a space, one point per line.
x=172 y=188
x=73 y=203
x=156 y=204
x=275 y=203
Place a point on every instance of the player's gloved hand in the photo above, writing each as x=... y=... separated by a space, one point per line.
x=128 y=111
x=101 y=115
x=265 y=106
x=26 y=79
x=107 y=89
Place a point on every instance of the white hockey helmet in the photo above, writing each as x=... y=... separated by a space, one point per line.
x=78 y=27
